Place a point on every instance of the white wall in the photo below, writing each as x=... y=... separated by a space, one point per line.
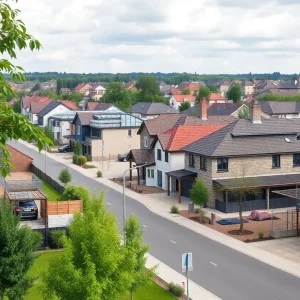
x=57 y=110
x=173 y=103
x=59 y=220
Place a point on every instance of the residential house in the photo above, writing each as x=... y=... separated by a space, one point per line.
x=35 y=108
x=174 y=91
x=27 y=100
x=130 y=86
x=51 y=85
x=280 y=109
x=248 y=87
x=97 y=91
x=169 y=157
x=69 y=104
x=26 y=86
x=150 y=110
x=223 y=87
x=104 y=135
x=65 y=91
x=279 y=91
x=217 y=98
x=192 y=86
x=98 y=106
x=83 y=88
x=253 y=153
x=176 y=100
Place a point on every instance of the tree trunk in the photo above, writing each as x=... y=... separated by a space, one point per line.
x=131 y=295
x=1 y=295
x=241 y=204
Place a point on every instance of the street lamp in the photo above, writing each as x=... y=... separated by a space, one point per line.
x=124 y=204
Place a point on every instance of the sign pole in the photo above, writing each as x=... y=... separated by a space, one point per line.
x=187 y=265
x=187 y=276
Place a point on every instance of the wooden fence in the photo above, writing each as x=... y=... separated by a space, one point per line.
x=62 y=207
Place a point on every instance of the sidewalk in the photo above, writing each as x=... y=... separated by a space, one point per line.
x=162 y=209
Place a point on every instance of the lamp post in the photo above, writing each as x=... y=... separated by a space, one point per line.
x=124 y=202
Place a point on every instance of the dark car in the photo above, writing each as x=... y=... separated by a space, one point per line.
x=65 y=148
x=26 y=210
x=122 y=157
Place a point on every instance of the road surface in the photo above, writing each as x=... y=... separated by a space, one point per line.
x=227 y=273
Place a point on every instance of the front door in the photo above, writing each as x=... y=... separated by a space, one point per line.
x=159 y=178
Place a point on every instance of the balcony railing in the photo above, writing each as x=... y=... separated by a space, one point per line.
x=22 y=185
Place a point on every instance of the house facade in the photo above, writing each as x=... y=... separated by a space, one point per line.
x=176 y=100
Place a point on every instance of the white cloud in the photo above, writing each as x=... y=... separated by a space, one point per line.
x=204 y=36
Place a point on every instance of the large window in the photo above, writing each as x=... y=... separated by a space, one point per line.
x=159 y=178
x=146 y=142
x=152 y=173
x=191 y=160
x=166 y=156
x=203 y=162
x=78 y=130
x=296 y=160
x=96 y=132
x=275 y=161
x=222 y=164
x=158 y=154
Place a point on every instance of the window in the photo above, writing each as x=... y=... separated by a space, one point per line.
x=152 y=173
x=129 y=132
x=146 y=143
x=96 y=132
x=298 y=137
x=158 y=154
x=166 y=157
x=159 y=178
x=296 y=160
x=191 y=160
x=203 y=163
x=222 y=164
x=148 y=171
x=78 y=130
x=275 y=161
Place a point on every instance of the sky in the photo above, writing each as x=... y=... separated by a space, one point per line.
x=203 y=36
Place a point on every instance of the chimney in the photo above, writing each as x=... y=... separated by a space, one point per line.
x=203 y=109
x=256 y=113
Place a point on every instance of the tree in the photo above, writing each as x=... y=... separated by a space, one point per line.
x=75 y=192
x=16 y=254
x=14 y=37
x=65 y=176
x=48 y=133
x=58 y=85
x=78 y=148
x=235 y=93
x=96 y=263
x=36 y=87
x=212 y=88
x=243 y=113
x=184 y=105
x=133 y=242
x=17 y=107
x=199 y=192
x=204 y=92
x=147 y=85
x=118 y=94
x=186 y=92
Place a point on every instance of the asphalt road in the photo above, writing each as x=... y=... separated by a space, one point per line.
x=221 y=270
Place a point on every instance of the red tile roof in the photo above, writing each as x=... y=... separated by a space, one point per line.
x=215 y=97
x=80 y=86
x=175 y=91
x=181 y=136
x=184 y=98
x=27 y=100
x=69 y=104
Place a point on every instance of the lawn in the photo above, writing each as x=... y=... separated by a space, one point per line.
x=50 y=192
x=152 y=291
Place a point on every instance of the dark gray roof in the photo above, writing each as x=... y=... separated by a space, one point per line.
x=140 y=156
x=280 y=107
x=49 y=107
x=260 y=181
x=182 y=173
x=152 y=108
x=243 y=138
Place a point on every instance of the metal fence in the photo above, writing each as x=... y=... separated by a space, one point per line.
x=282 y=202
x=286 y=220
x=231 y=207
x=32 y=183
x=47 y=179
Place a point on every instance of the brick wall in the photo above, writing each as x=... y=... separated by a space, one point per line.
x=21 y=162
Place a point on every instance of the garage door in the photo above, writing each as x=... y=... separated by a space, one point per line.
x=186 y=186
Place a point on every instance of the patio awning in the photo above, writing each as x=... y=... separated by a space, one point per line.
x=292 y=193
x=181 y=174
x=260 y=181
x=70 y=137
x=141 y=156
x=25 y=195
x=86 y=143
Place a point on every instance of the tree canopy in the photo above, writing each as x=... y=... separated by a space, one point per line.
x=199 y=192
x=184 y=105
x=148 y=85
x=204 y=92
x=235 y=93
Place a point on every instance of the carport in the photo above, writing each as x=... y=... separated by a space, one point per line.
x=184 y=180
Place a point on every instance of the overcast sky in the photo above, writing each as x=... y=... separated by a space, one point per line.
x=203 y=36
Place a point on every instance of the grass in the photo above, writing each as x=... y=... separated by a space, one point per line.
x=149 y=292
x=50 y=192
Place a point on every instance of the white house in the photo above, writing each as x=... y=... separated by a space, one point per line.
x=34 y=109
x=176 y=100
x=98 y=92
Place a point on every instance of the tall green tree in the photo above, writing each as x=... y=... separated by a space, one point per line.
x=184 y=106
x=17 y=107
x=36 y=87
x=212 y=88
x=235 y=93
x=14 y=37
x=115 y=92
x=147 y=85
x=59 y=85
x=204 y=92
x=186 y=92
x=77 y=148
x=96 y=263
x=199 y=192
x=16 y=254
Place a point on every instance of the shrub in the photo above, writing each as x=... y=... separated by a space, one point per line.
x=78 y=148
x=88 y=157
x=36 y=239
x=56 y=237
x=75 y=192
x=65 y=176
x=202 y=215
x=75 y=159
x=260 y=235
x=81 y=160
x=87 y=166
x=99 y=173
x=174 y=209
x=197 y=210
x=176 y=289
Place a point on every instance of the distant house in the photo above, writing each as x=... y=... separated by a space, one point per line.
x=279 y=92
x=97 y=91
x=65 y=90
x=175 y=91
x=223 y=87
x=48 y=85
x=130 y=86
x=83 y=88
x=280 y=109
x=71 y=105
x=27 y=100
x=248 y=87
x=176 y=100
x=216 y=98
x=105 y=134
x=99 y=106
x=193 y=86
x=35 y=108
x=150 y=110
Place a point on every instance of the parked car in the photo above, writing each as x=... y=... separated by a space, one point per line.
x=26 y=209
x=122 y=157
x=65 y=148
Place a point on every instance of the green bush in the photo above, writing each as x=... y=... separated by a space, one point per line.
x=99 y=173
x=56 y=237
x=176 y=289
x=36 y=239
x=65 y=176
x=197 y=210
x=75 y=159
x=78 y=148
x=81 y=160
x=88 y=157
x=75 y=192
x=87 y=166
x=260 y=235
x=174 y=209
